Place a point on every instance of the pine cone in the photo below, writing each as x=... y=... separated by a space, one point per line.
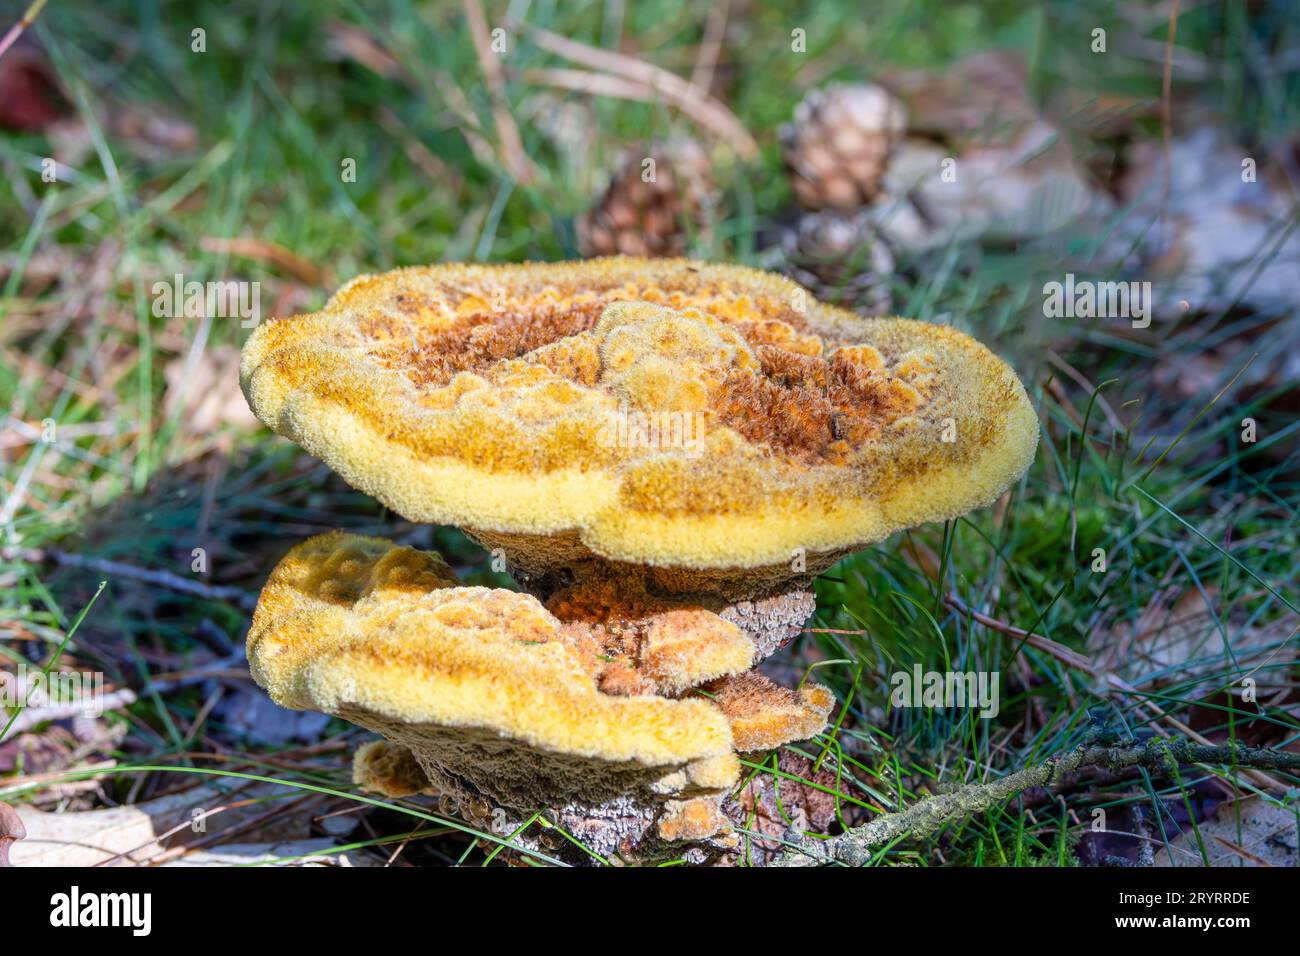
x=642 y=216
x=840 y=258
x=836 y=149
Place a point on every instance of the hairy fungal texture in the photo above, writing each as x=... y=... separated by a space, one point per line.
x=490 y=397
x=764 y=715
x=776 y=389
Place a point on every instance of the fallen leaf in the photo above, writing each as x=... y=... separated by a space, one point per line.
x=966 y=100
x=91 y=837
x=1218 y=235
x=1025 y=188
x=207 y=394
x=1249 y=832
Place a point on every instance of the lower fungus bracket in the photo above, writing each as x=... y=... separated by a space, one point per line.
x=586 y=705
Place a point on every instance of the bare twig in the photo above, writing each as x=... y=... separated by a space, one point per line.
x=1045 y=644
x=232 y=666
x=244 y=600
x=29 y=717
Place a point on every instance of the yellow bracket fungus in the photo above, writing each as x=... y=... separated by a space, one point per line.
x=666 y=453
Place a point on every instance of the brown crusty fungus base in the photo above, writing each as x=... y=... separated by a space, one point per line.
x=770 y=609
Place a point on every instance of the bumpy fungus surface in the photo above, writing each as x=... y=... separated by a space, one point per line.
x=661 y=413
x=648 y=645
x=765 y=715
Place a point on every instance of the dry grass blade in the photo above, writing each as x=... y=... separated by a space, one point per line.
x=423 y=158
x=512 y=146
x=706 y=61
x=14 y=32
x=1081 y=380
x=350 y=42
x=264 y=250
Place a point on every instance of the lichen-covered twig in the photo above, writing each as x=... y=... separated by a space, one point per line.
x=927 y=816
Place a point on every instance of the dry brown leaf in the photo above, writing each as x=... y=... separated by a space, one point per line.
x=1183 y=638
x=1024 y=188
x=1214 y=237
x=208 y=394
x=1249 y=832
